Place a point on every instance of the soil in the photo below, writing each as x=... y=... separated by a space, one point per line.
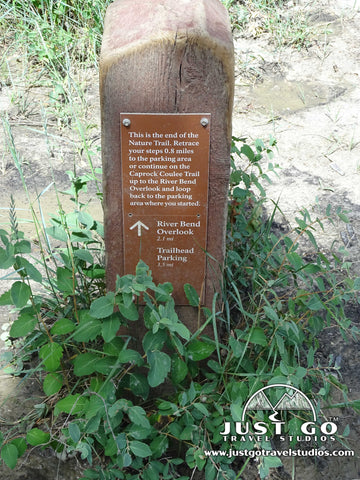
x=307 y=98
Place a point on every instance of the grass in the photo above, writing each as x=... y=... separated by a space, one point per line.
x=49 y=30
x=284 y=24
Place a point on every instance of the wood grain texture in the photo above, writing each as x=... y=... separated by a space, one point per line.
x=167 y=56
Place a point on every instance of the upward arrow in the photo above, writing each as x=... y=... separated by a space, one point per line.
x=139 y=225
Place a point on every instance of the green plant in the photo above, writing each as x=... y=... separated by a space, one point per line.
x=50 y=29
x=292 y=291
x=151 y=407
x=285 y=25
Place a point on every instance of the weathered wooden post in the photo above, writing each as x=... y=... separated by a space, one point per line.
x=166 y=89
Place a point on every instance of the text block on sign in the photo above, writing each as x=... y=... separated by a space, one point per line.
x=165 y=172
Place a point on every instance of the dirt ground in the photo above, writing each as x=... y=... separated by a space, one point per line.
x=308 y=99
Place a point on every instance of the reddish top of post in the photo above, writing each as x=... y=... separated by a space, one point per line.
x=131 y=23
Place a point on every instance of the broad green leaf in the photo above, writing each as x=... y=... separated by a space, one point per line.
x=159 y=445
x=179 y=370
x=23 y=325
x=85 y=451
x=271 y=314
x=259 y=144
x=154 y=341
x=237 y=347
x=138 y=416
x=295 y=260
x=106 y=364
x=301 y=372
x=258 y=337
x=52 y=383
x=29 y=269
x=215 y=366
x=139 y=385
x=63 y=326
x=247 y=150
x=37 y=437
x=199 y=350
x=119 y=406
x=93 y=424
x=129 y=312
x=236 y=411
x=200 y=459
x=285 y=369
x=9 y=453
x=357 y=283
x=160 y=365
x=85 y=364
x=210 y=471
x=84 y=255
x=58 y=233
x=65 y=281
x=202 y=409
x=5 y=298
x=312 y=268
x=310 y=357
x=114 y=346
x=191 y=295
x=111 y=447
x=181 y=330
x=187 y=432
x=72 y=404
x=86 y=219
x=127 y=299
x=74 y=432
x=6 y=259
x=315 y=304
x=163 y=291
x=20 y=444
x=88 y=329
x=140 y=449
x=110 y=327
x=51 y=354
x=103 y=307
x=94 y=272
x=128 y=355
x=20 y=294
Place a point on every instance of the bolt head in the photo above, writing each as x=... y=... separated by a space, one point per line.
x=126 y=122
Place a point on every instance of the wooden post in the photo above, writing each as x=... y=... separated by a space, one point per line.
x=166 y=90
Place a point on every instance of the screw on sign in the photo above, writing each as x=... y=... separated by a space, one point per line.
x=165 y=170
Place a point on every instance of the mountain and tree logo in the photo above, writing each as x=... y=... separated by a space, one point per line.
x=292 y=399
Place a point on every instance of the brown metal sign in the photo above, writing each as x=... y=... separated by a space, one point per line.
x=165 y=171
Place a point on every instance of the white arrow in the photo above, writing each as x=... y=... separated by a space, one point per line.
x=139 y=224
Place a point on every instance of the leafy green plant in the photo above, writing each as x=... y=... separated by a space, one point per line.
x=282 y=290
x=151 y=407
